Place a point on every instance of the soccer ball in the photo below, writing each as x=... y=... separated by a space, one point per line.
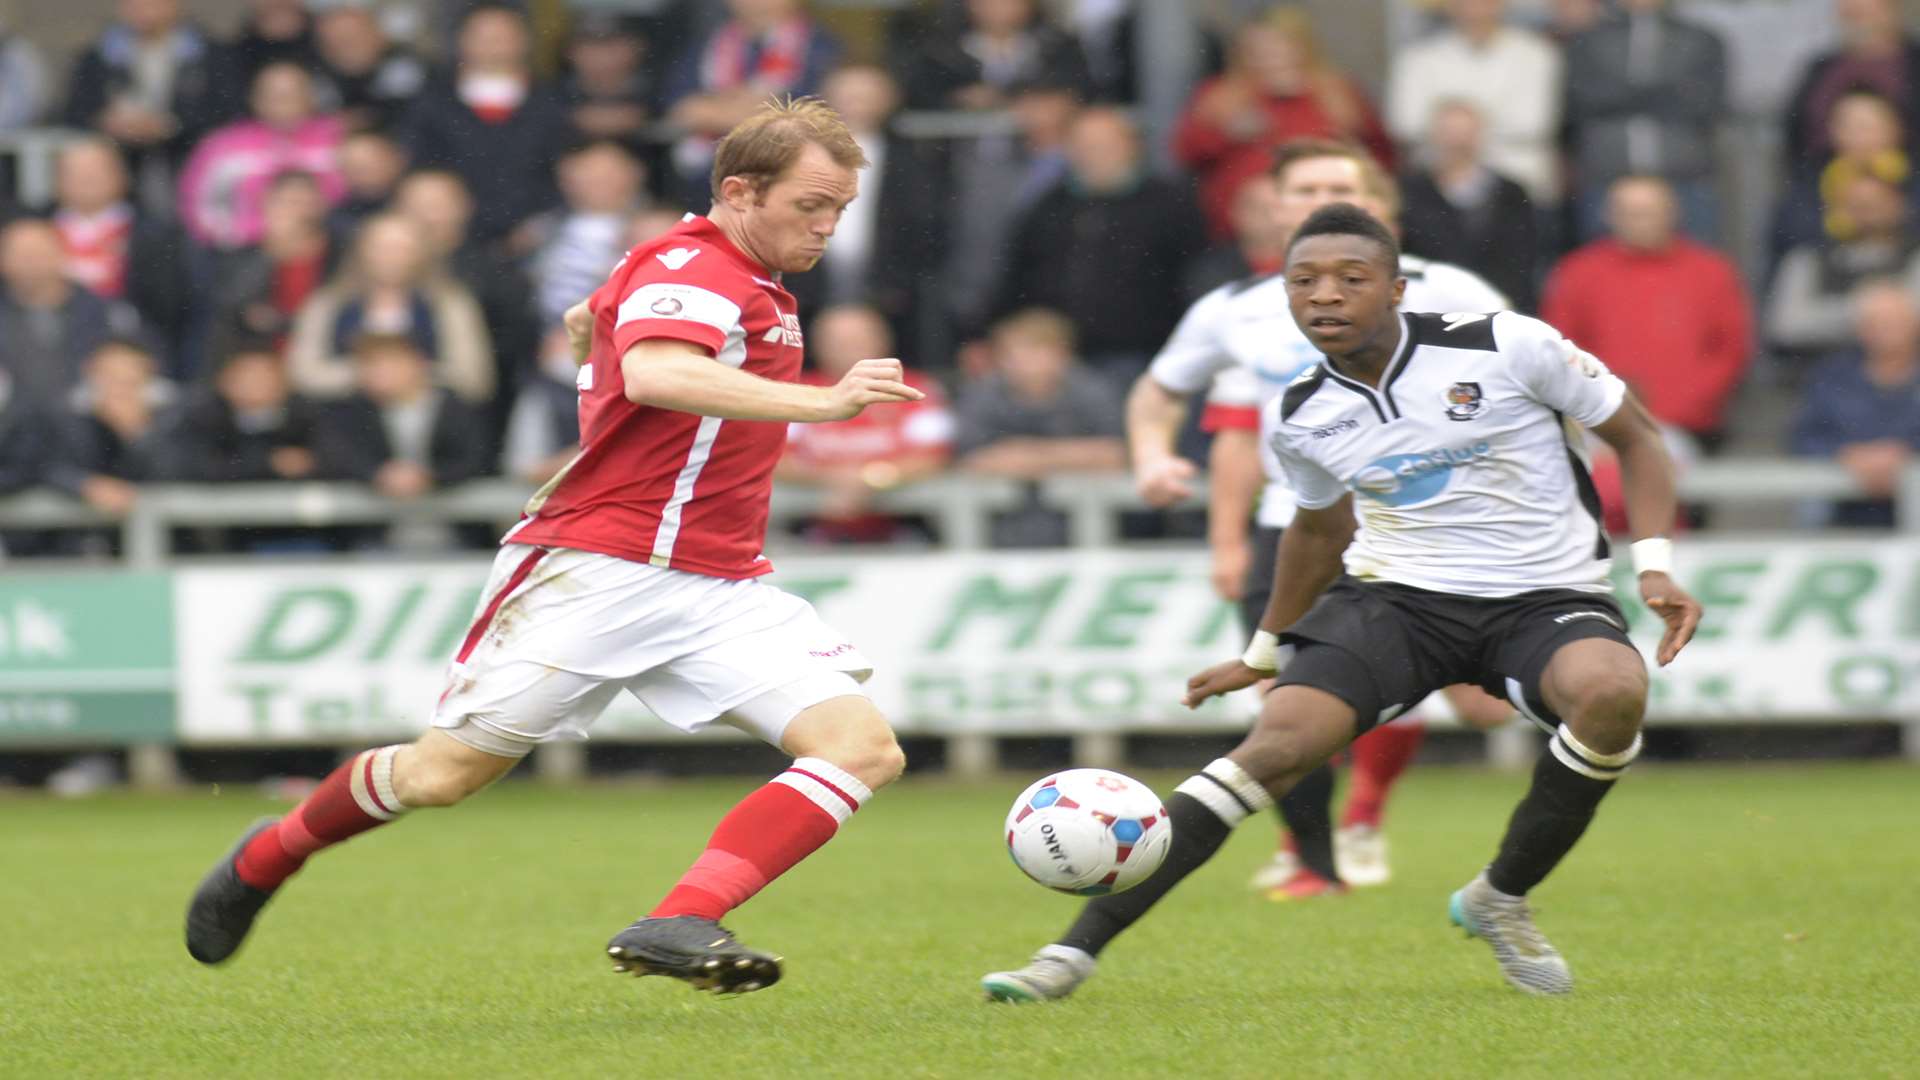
x=1088 y=832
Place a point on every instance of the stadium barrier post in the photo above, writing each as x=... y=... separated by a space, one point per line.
x=153 y=767
x=971 y=755
x=560 y=763
x=1511 y=746
x=1099 y=749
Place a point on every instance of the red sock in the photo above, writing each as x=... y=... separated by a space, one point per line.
x=765 y=835
x=352 y=799
x=1379 y=757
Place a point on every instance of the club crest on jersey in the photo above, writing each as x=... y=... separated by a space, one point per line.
x=1464 y=401
x=667 y=307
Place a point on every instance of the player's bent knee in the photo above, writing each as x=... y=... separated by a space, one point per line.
x=852 y=734
x=438 y=771
x=1607 y=709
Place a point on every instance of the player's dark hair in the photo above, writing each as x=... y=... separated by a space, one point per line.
x=1346 y=219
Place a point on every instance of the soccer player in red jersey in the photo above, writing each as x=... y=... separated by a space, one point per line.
x=636 y=569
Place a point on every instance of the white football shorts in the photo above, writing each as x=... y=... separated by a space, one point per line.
x=559 y=632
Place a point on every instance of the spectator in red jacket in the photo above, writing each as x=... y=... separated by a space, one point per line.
x=1278 y=86
x=1668 y=315
x=852 y=460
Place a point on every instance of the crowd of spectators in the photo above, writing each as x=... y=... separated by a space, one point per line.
x=320 y=249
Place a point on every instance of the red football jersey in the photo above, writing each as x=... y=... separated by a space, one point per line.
x=655 y=485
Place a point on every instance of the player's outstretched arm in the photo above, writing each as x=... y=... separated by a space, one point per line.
x=1153 y=423
x=1646 y=476
x=678 y=375
x=1309 y=561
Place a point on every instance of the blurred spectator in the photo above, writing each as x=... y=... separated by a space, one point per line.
x=996 y=179
x=246 y=424
x=1511 y=75
x=881 y=449
x=1862 y=408
x=609 y=87
x=1667 y=314
x=400 y=433
x=115 y=433
x=543 y=430
x=119 y=252
x=224 y=184
x=371 y=165
x=48 y=325
x=1105 y=248
x=360 y=73
x=1876 y=54
x=574 y=248
x=1277 y=86
x=974 y=57
x=436 y=201
x=23 y=80
x=154 y=83
x=492 y=123
x=274 y=31
x=1258 y=247
x=1811 y=309
x=1867 y=140
x=767 y=48
x=1567 y=19
x=890 y=239
x=1107 y=31
x=258 y=290
x=26 y=441
x=1459 y=210
x=391 y=287
x=1646 y=93
x=1038 y=414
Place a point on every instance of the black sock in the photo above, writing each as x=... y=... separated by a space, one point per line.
x=1203 y=810
x=1307 y=810
x=1568 y=783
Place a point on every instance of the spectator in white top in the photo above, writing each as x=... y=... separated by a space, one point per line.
x=1511 y=74
x=574 y=248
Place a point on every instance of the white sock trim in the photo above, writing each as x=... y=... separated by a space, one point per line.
x=1245 y=786
x=1588 y=762
x=383 y=777
x=364 y=784
x=826 y=786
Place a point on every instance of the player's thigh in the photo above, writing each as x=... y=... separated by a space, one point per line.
x=504 y=705
x=1360 y=643
x=1598 y=687
x=759 y=681
x=1566 y=658
x=1301 y=725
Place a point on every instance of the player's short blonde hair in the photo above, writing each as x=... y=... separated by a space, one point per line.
x=765 y=145
x=1376 y=181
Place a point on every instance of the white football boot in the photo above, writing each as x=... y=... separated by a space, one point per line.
x=1053 y=973
x=1360 y=854
x=1526 y=958
x=1275 y=872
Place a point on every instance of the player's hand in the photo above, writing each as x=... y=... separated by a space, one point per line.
x=1230 y=561
x=869 y=382
x=1221 y=679
x=579 y=323
x=1164 y=481
x=1680 y=611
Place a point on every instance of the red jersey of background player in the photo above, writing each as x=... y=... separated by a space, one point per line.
x=657 y=485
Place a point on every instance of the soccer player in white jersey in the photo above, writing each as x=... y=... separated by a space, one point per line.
x=636 y=569
x=1239 y=345
x=1478 y=556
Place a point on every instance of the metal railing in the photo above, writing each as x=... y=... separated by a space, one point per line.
x=960 y=507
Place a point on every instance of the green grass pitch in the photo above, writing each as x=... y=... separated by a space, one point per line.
x=1721 y=921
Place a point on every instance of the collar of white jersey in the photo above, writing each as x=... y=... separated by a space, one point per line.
x=1401 y=354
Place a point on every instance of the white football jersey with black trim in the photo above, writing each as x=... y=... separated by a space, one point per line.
x=1467 y=469
x=1239 y=343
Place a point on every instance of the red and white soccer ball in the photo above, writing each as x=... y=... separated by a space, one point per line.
x=1088 y=832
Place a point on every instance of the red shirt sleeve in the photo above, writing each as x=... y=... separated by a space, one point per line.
x=699 y=302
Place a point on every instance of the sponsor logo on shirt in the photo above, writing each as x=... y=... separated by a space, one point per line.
x=1405 y=479
x=788 y=331
x=1572 y=615
x=1331 y=430
x=666 y=307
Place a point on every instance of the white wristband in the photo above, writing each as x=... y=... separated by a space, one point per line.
x=1653 y=555
x=1265 y=653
